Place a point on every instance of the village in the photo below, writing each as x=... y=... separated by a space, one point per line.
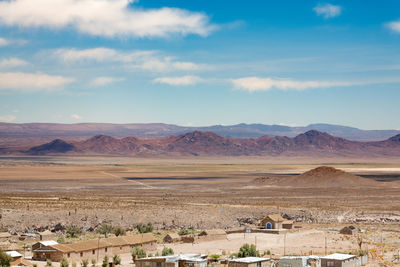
x=147 y=247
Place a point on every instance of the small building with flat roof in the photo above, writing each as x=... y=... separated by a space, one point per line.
x=182 y=260
x=250 y=262
x=340 y=260
x=299 y=261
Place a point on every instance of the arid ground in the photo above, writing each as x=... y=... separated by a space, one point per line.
x=228 y=193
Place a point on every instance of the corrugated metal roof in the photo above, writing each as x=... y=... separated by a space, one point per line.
x=48 y=242
x=338 y=256
x=250 y=259
x=14 y=254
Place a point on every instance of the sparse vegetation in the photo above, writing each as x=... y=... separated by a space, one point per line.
x=248 y=251
x=5 y=260
x=105 y=262
x=167 y=251
x=49 y=263
x=145 y=228
x=215 y=256
x=105 y=229
x=73 y=231
x=116 y=260
x=138 y=253
x=119 y=231
x=84 y=263
x=94 y=262
x=61 y=239
x=64 y=262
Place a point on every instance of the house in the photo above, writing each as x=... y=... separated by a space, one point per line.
x=250 y=262
x=287 y=224
x=214 y=234
x=171 y=238
x=184 y=260
x=18 y=259
x=340 y=260
x=299 y=261
x=46 y=235
x=92 y=249
x=273 y=221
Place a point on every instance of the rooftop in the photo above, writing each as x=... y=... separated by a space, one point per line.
x=48 y=243
x=14 y=254
x=338 y=256
x=250 y=259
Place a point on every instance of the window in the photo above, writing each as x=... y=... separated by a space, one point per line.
x=68 y=255
x=105 y=249
x=93 y=251
x=258 y=264
x=158 y=264
x=120 y=248
x=330 y=264
x=81 y=254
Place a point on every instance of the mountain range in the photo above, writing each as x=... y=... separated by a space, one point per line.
x=14 y=134
x=199 y=143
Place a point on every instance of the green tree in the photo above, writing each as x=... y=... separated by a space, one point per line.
x=34 y=265
x=73 y=231
x=118 y=231
x=116 y=260
x=64 y=262
x=5 y=259
x=49 y=263
x=105 y=262
x=94 y=262
x=248 y=251
x=105 y=229
x=145 y=228
x=167 y=251
x=84 y=262
x=138 y=253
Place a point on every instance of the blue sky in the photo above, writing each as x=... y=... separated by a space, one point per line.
x=201 y=62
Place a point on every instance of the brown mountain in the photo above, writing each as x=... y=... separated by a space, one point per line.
x=197 y=143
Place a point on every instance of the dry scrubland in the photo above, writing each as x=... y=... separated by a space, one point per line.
x=41 y=192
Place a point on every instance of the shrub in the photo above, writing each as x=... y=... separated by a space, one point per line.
x=145 y=228
x=268 y=252
x=64 y=262
x=61 y=239
x=94 y=262
x=183 y=232
x=167 y=251
x=34 y=265
x=84 y=262
x=49 y=262
x=138 y=253
x=248 y=251
x=73 y=231
x=116 y=260
x=5 y=259
x=73 y=264
x=105 y=262
x=118 y=231
x=215 y=256
x=105 y=229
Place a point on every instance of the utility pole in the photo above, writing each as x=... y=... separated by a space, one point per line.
x=98 y=248
x=326 y=246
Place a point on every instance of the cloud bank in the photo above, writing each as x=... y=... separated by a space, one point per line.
x=106 y=18
x=394 y=26
x=31 y=82
x=104 y=80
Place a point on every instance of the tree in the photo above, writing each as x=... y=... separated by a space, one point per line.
x=167 y=251
x=145 y=228
x=49 y=263
x=105 y=229
x=138 y=253
x=105 y=262
x=116 y=260
x=94 y=262
x=248 y=251
x=5 y=259
x=34 y=265
x=118 y=231
x=64 y=262
x=73 y=231
x=84 y=262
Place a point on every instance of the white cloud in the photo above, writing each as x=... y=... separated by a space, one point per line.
x=394 y=26
x=7 y=118
x=12 y=63
x=104 y=80
x=108 y=18
x=179 y=81
x=76 y=116
x=252 y=84
x=30 y=82
x=328 y=10
x=147 y=60
x=3 y=42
